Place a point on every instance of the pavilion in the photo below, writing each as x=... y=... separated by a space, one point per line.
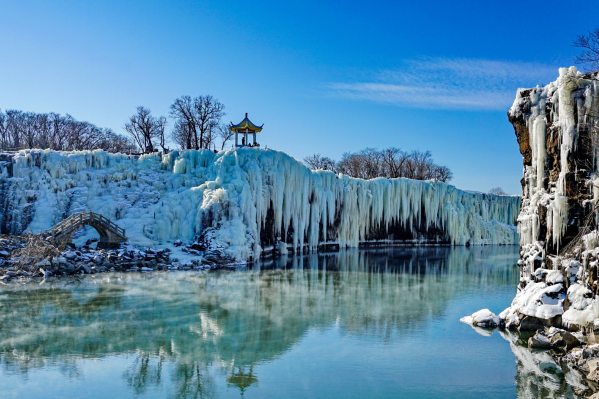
x=246 y=127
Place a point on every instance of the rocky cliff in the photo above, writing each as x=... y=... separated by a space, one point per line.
x=557 y=130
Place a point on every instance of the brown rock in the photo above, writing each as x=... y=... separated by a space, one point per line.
x=564 y=339
x=539 y=341
x=529 y=323
x=522 y=136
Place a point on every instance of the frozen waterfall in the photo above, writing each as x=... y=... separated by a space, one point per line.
x=244 y=199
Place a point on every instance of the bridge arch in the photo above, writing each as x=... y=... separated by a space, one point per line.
x=111 y=234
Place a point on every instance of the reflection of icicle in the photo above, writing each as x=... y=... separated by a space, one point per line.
x=179 y=195
x=247 y=317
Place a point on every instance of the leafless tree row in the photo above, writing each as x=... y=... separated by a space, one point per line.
x=20 y=130
x=391 y=163
x=197 y=124
x=497 y=191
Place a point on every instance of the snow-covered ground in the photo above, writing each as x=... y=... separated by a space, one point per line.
x=233 y=195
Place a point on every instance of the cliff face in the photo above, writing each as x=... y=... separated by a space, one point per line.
x=557 y=131
x=243 y=201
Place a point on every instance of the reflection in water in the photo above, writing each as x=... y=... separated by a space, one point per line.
x=538 y=375
x=237 y=320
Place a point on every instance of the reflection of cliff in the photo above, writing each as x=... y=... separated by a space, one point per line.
x=238 y=319
x=538 y=376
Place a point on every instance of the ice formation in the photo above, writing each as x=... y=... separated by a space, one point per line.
x=561 y=104
x=245 y=199
x=556 y=128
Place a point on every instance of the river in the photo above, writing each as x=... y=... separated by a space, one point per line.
x=378 y=323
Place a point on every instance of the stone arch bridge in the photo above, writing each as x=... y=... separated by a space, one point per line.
x=111 y=235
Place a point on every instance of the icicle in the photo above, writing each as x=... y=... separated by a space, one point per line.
x=233 y=192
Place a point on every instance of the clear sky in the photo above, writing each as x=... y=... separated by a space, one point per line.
x=324 y=77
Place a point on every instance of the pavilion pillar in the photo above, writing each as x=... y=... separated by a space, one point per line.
x=246 y=136
x=236 y=139
x=254 y=138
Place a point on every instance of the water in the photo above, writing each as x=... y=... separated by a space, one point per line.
x=355 y=324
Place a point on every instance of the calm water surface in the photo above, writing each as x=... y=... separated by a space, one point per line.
x=356 y=324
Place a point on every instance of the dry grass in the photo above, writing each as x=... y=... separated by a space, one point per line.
x=34 y=251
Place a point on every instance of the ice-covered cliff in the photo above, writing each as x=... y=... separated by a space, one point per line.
x=557 y=130
x=242 y=201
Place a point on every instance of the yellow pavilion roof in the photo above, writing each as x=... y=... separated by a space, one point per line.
x=246 y=124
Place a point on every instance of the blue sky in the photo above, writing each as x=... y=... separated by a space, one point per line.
x=324 y=77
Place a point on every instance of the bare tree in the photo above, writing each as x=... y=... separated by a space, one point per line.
x=590 y=53
x=393 y=162
x=372 y=163
x=114 y=143
x=209 y=111
x=201 y=116
x=442 y=173
x=182 y=135
x=161 y=127
x=419 y=165
x=224 y=133
x=210 y=137
x=497 y=191
x=4 y=138
x=352 y=164
x=144 y=128
x=185 y=132
x=316 y=162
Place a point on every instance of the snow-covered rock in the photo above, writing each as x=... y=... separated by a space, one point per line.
x=539 y=300
x=482 y=318
x=583 y=308
x=59 y=260
x=539 y=341
x=44 y=263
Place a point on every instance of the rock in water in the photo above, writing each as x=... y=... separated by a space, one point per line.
x=482 y=318
x=564 y=339
x=539 y=341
